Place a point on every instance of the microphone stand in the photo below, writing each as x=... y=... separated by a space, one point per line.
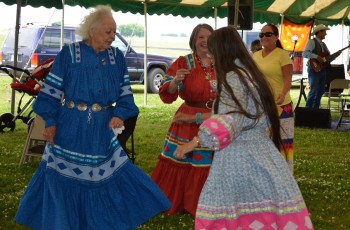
x=293 y=52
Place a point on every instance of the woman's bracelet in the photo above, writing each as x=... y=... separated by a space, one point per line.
x=199 y=118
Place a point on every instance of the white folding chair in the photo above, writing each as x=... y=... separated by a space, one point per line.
x=341 y=98
x=35 y=142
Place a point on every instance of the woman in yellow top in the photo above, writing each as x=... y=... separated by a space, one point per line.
x=277 y=67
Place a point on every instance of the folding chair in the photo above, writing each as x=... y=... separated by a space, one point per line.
x=334 y=72
x=35 y=143
x=342 y=97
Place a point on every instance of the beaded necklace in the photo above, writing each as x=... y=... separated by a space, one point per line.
x=208 y=75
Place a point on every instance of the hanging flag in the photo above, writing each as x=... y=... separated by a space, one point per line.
x=295 y=36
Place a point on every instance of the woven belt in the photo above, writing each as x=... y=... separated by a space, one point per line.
x=207 y=104
x=82 y=106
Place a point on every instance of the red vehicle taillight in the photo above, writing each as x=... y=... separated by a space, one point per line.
x=0 y=57
x=34 y=61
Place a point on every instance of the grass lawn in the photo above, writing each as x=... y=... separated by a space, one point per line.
x=322 y=165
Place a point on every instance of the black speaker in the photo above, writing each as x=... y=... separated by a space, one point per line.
x=245 y=14
x=312 y=118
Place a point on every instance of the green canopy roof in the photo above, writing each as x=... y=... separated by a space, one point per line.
x=329 y=12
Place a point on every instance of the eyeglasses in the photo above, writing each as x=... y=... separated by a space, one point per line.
x=267 y=34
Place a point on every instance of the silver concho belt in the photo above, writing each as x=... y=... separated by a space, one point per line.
x=83 y=106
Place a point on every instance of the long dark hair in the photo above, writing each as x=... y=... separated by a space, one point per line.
x=227 y=47
x=276 y=33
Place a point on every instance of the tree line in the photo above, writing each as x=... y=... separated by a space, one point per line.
x=137 y=30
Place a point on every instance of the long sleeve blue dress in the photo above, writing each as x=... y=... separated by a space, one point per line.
x=86 y=181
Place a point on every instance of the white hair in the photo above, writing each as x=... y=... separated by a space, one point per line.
x=92 y=20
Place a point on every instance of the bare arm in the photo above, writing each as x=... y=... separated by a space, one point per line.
x=287 y=72
x=181 y=150
x=180 y=76
x=189 y=118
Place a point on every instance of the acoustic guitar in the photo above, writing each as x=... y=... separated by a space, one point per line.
x=317 y=66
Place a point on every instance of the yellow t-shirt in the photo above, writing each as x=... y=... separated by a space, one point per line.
x=271 y=67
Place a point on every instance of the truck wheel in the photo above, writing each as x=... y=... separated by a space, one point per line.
x=155 y=76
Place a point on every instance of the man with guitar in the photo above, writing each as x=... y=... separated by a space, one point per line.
x=318 y=65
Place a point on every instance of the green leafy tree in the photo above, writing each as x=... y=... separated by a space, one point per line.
x=58 y=23
x=183 y=35
x=170 y=35
x=128 y=30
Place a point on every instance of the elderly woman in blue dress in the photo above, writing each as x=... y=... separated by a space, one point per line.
x=85 y=179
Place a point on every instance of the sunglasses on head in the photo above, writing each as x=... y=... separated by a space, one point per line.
x=267 y=34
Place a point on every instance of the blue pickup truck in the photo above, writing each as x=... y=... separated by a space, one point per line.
x=39 y=43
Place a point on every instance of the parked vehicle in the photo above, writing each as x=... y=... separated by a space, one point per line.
x=36 y=44
x=39 y=43
x=156 y=65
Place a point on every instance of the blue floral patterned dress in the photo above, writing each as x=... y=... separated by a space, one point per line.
x=249 y=184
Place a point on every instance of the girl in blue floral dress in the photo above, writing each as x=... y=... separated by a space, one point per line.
x=249 y=184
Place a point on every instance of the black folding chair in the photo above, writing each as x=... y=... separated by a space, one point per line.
x=129 y=125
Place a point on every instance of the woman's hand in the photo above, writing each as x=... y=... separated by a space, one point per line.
x=180 y=152
x=180 y=75
x=116 y=122
x=321 y=59
x=49 y=134
x=280 y=98
x=178 y=78
x=181 y=118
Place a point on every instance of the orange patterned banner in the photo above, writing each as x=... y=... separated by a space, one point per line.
x=295 y=32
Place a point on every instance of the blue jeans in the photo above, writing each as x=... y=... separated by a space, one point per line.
x=317 y=82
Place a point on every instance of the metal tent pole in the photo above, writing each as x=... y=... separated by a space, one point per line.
x=145 y=67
